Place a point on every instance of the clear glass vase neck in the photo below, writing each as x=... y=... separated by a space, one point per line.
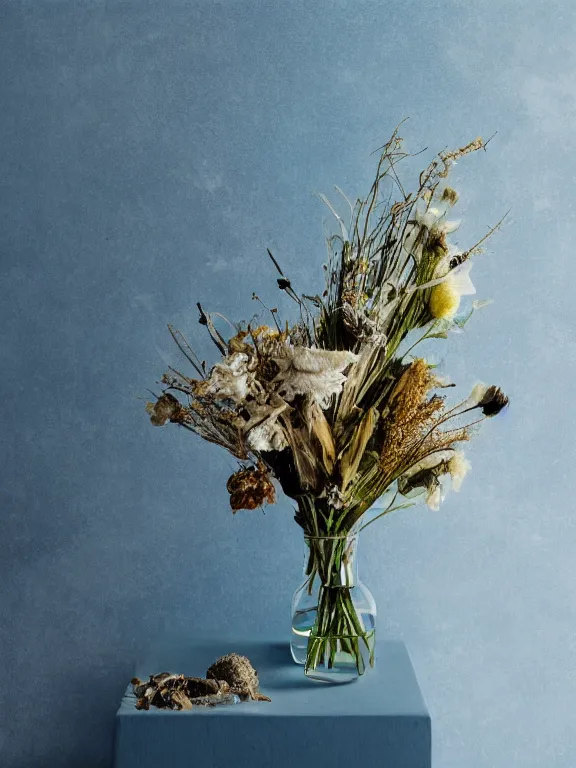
x=331 y=561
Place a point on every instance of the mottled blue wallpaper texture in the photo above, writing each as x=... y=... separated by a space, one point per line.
x=150 y=154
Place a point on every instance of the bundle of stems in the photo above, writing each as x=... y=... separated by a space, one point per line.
x=339 y=629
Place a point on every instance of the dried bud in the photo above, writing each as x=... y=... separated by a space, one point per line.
x=450 y=196
x=250 y=488
x=166 y=408
x=493 y=402
x=283 y=283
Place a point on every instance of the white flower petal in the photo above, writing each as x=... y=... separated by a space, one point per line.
x=460 y=277
x=435 y=497
x=478 y=392
x=308 y=360
x=314 y=372
x=458 y=467
x=448 y=226
x=230 y=379
x=320 y=386
x=433 y=218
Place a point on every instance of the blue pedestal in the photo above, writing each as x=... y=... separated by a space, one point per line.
x=379 y=720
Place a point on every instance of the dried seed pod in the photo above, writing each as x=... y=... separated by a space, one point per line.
x=493 y=402
x=240 y=675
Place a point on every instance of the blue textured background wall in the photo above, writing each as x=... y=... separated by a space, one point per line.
x=150 y=154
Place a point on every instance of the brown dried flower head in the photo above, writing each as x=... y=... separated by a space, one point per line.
x=250 y=488
x=450 y=196
x=166 y=408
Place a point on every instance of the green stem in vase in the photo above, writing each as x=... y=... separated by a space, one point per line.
x=338 y=629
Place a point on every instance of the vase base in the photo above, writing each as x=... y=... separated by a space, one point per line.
x=338 y=676
x=334 y=663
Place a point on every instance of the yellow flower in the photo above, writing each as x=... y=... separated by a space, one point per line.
x=444 y=300
x=446 y=291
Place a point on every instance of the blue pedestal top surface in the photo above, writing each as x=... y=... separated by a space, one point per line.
x=379 y=720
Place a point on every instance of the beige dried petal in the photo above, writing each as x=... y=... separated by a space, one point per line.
x=352 y=456
x=314 y=372
x=321 y=430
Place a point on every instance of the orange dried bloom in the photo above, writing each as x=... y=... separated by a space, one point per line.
x=250 y=488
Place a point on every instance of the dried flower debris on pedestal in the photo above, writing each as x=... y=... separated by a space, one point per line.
x=231 y=679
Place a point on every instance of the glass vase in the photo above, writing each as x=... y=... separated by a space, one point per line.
x=333 y=612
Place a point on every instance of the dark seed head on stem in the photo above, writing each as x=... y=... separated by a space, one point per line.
x=493 y=401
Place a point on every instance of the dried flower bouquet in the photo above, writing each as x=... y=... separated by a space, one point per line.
x=337 y=407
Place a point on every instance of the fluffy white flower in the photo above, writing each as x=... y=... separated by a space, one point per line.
x=434 y=466
x=314 y=372
x=267 y=437
x=230 y=379
x=435 y=497
x=458 y=467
